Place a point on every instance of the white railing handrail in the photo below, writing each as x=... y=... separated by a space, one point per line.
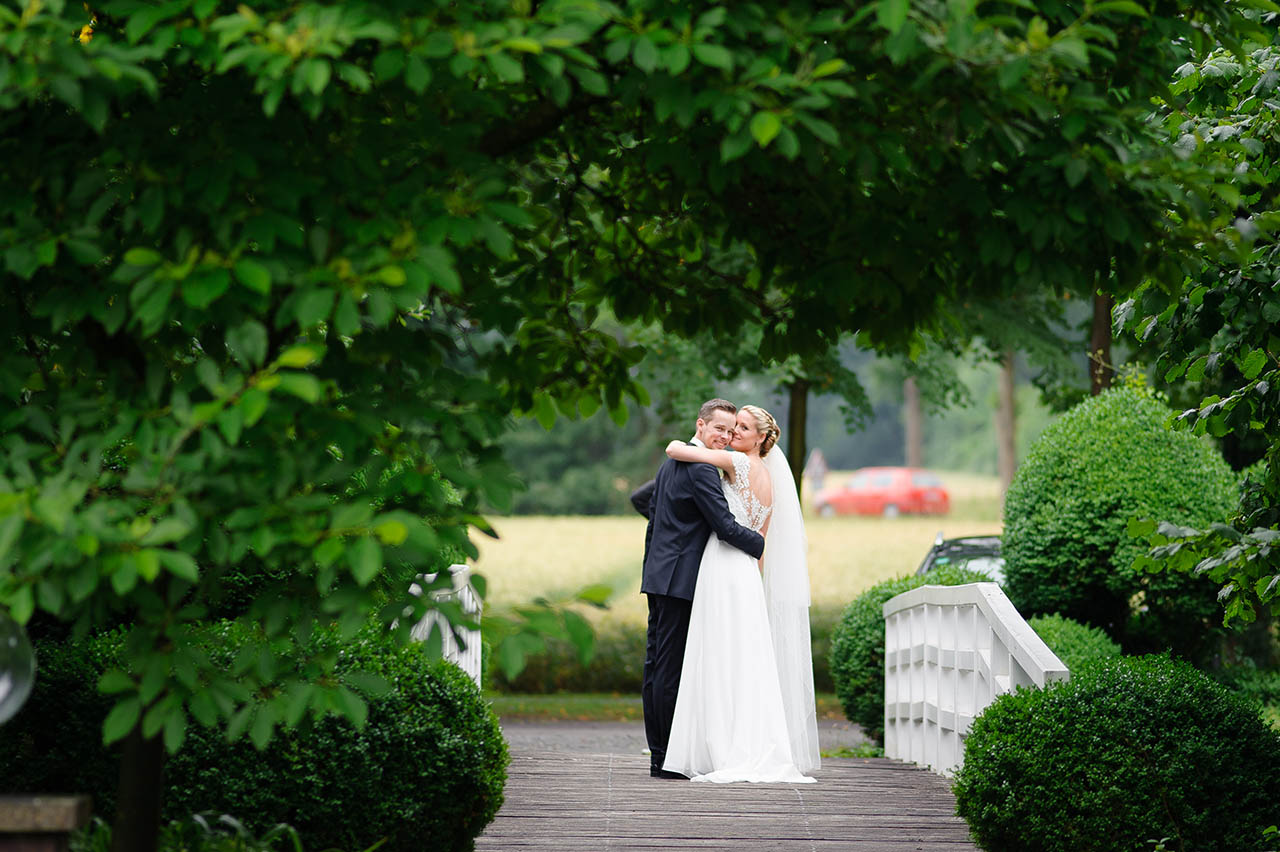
x=468 y=657
x=949 y=652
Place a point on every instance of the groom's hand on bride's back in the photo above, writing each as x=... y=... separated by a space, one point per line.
x=642 y=497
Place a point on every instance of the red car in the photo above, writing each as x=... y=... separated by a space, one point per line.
x=887 y=491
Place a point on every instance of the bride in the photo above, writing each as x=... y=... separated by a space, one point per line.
x=745 y=707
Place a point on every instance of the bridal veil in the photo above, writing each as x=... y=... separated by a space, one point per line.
x=786 y=589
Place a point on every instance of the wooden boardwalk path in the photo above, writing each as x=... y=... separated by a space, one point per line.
x=575 y=801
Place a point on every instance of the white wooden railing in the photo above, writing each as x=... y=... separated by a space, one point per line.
x=467 y=658
x=949 y=651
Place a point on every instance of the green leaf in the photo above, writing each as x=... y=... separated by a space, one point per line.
x=253 y=275
x=313 y=307
x=417 y=76
x=1124 y=7
x=300 y=356
x=439 y=264
x=302 y=385
x=597 y=594
x=544 y=410
x=351 y=705
x=392 y=532
x=114 y=681
x=247 y=343
x=714 y=56
x=316 y=74
x=264 y=725
x=1075 y=170
x=1253 y=363
x=1195 y=373
x=365 y=558
x=373 y=685
x=253 y=403
x=581 y=635
x=826 y=69
x=676 y=59
x=328 y=551
x=205 y=287
x=180 y=565
x=1141 y=527
x=645 y=54
x=142 y=257
x=122 y=719
x=511 y=658
x=765 y=126
x=505 y=67
x=892 y=14
x=734 y=146
x=388 y=64
x=10 y=529
x=175 y=731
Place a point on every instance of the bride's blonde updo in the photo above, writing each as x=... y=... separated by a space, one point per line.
x=766 y=425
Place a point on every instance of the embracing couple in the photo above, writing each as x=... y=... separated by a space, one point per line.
x=728 y=673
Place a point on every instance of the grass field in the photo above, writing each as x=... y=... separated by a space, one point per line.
x=553 y=556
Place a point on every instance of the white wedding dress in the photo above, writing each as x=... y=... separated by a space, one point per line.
x=730 y=723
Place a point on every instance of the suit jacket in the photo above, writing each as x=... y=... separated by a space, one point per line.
x=642 y=497
x=687 y=505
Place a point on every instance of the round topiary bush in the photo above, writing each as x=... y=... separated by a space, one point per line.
x=857 y=645
x=1077 y=645
x=430 y=761
x=1066 y=542
x=1133 y=749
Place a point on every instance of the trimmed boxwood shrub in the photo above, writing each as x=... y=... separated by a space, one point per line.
x=1076 y=644
x=1131 y=750
x=857 y=645
x=430 y=762
x=1066 y=542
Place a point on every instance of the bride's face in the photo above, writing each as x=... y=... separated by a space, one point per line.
x=746 y=436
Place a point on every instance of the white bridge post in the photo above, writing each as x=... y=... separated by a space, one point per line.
x=949 y=651
x=467 y=658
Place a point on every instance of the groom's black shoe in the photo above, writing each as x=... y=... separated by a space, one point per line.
x=658 y=772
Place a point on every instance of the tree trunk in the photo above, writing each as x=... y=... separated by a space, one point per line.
x=1006 y=446
x=797 y=418
x=913 y=421
x=137 y=822
x=1100 y=370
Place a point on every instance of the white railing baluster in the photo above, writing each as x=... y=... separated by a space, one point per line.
x=468 y=657
x=949 y=652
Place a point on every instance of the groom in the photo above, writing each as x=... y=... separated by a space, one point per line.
x=685 y=507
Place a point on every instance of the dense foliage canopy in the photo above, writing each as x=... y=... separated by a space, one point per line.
x=1214 y=324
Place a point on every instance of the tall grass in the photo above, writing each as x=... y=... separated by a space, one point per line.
x=550 y=556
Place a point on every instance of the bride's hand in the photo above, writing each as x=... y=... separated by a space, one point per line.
x=673 y=446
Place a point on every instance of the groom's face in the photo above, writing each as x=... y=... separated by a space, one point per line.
x=717 y=432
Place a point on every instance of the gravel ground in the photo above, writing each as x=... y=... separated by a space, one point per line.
x=628 y=737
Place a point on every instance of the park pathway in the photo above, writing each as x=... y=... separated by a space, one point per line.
x=573 y=800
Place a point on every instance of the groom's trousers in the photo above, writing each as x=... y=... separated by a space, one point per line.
x=663 y=661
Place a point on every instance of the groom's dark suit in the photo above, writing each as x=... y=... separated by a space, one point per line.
x=686 y=506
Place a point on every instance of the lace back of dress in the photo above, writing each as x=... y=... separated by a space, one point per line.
x=754 y=512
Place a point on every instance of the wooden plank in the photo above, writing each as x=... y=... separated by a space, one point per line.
x=585 y=801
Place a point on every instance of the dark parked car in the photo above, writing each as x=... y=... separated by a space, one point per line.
x=976 y=552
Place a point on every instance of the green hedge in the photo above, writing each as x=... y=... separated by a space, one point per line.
x=857 y=645
x=1077 y=645
x=1066 y=542
x=1131 y=750
x=429 y=763
x=618 y=662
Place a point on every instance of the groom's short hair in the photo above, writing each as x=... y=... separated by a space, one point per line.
x=711 y=406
